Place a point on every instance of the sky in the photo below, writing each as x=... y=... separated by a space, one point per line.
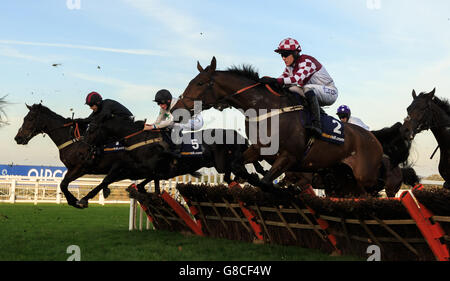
x=377 y=52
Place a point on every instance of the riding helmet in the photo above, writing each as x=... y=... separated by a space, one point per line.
x=163 y=97
x=343 y=111
x=288 y=44
x=93 y=98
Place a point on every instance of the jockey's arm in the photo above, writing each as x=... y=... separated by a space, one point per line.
x=193 y=124
x=298 y=78
x=160 y=123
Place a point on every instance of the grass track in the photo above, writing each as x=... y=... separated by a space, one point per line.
x=43 y=233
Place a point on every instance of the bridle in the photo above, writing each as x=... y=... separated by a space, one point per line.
x=427 y=123
x=208 y=90
x=222 y=101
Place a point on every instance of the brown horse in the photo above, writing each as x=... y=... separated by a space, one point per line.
x=428 y=112
x=239 y=88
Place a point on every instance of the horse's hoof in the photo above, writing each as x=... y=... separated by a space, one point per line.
x=106 y=192
x=82 y=203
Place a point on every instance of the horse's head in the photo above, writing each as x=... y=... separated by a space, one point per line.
x=420 y=115
x=32 y=124
x=202 y=88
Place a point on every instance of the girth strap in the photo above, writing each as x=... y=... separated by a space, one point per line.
x=142 y=143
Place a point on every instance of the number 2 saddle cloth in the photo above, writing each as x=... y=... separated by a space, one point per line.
x=332 y=129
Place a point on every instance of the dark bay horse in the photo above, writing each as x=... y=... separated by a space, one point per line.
x=239 y=88
x=150 y=151
x=428 y=112
x=73 y=152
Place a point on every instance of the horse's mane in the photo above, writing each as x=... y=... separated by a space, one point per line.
x=444 y=104
x=245 y=70
x=47 y=111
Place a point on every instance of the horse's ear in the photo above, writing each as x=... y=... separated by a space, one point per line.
x=199 y=67
x=414 y=94
x=212 y=66
x=431 y=94
x=29 y=107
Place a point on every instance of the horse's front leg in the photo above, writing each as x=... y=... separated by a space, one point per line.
x=157 y=187
x=141 y=185
x=444 y=167
x=282 y=164
x=113 y=175
x=71 y=175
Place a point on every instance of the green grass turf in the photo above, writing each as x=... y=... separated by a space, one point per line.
x=43 y=232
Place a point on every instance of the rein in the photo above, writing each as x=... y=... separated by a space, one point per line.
x=254 y=85
x=142 y=143
x=76 y=133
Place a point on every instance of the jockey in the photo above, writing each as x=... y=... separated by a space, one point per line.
x=345 y=113
x=104 y=109
x=165 y=119
x=307 y=77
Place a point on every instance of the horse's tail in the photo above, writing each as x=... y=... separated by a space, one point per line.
x=409 y=176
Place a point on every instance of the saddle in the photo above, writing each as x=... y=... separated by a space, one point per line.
x=190 y=145
x=332 y=128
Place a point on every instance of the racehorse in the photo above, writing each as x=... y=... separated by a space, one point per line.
x=150 y=150
x=239 y=88
x=73 y=152
x=395 y=170
x=428 y=112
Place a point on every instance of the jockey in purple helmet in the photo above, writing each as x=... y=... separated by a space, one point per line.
x=307 y=77
x=345 y=113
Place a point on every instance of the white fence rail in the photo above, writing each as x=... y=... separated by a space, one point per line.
x=35 y=190
x=46 y=190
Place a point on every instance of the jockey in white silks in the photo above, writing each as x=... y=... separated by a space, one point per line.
x=345 y=115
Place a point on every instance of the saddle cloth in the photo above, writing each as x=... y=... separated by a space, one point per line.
x=191 y=145
x=332 y=129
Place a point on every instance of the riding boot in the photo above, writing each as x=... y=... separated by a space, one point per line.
x=314 y=107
